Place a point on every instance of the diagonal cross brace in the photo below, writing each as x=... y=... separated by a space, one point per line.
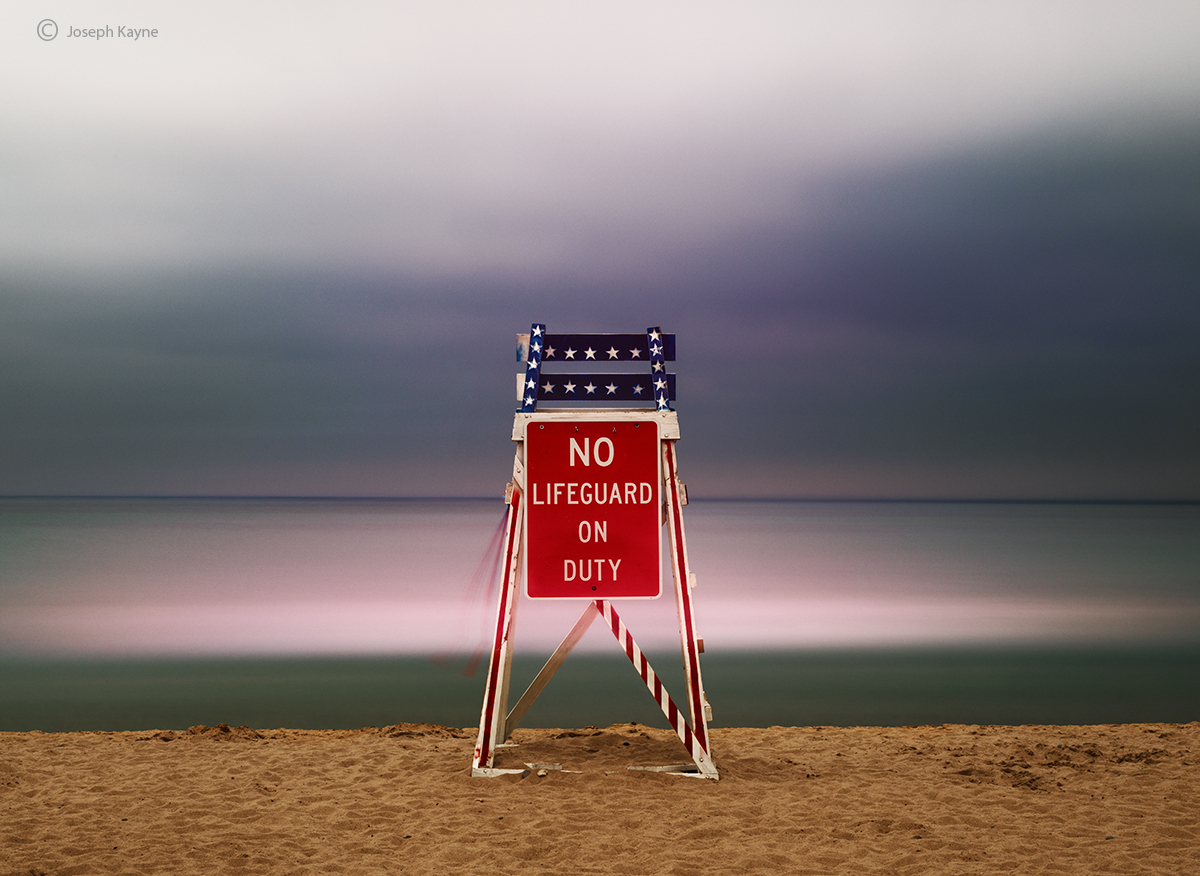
x=547 y=672
x=679 y=724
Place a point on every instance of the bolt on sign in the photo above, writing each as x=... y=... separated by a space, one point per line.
x=593 y=510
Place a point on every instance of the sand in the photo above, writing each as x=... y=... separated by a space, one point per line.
x=920 y=800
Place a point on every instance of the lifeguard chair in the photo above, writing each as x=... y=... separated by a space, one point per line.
x=594 y=480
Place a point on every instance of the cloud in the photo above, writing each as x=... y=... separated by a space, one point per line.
x=925 y=249
x=527 y=139
x=1014 y=323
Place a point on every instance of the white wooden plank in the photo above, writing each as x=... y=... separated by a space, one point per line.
x=668 y=421
x=590 y=613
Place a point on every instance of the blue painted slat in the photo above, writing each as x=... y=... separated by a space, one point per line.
x=604 y=387
x=658 y=368
x=533 y=366
x=603 y=348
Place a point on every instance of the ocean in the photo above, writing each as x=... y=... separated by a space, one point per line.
x=877 y=687
x=166 y=613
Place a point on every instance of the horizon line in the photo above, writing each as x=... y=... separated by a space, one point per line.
x=927 y=500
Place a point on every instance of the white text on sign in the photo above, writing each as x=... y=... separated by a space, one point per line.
x=582 y=454
x=576 y=493
x=583 y=569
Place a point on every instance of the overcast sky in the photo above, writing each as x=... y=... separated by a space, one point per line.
x=916 y=249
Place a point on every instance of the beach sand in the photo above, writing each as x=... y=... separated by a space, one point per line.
x=921 y=800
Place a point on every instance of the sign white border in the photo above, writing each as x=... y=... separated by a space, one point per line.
x=660 y=420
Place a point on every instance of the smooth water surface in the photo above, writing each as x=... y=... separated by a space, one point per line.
x=335 y=577
x=873 y=687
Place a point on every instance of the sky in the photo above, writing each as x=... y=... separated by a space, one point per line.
x=908 y=250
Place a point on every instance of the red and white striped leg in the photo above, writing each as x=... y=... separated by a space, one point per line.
x=491 y=722
x=681 y=569
x=697 y=749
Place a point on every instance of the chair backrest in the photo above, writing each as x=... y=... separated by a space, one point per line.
x=650 y=385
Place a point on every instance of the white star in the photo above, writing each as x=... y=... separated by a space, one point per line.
x=637 y=390
x=612 y=352
x=658 y=366
x=570 y=354
x=548 y=386
x=537 y=331
x=589 y=353
x=529 y=384
x=635 y=354
x=654 y=336
x=533 y=363
x=537 y=348
x=569 y=387
x=590 y=388
x=660 y=385
x=655 y=350
x=549 y=352
x=528 y=400
x=612 y=388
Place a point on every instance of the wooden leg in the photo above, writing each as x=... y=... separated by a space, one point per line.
x=491 y=721
x=697 y=703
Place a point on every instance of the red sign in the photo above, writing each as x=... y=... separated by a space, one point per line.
x=593 y=525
